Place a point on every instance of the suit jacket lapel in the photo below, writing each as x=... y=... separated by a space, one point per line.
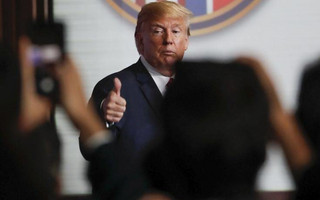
x=149 y=88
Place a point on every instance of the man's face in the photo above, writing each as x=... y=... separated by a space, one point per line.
x=163 y=42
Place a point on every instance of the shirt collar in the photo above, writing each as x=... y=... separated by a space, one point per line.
x=158 y=78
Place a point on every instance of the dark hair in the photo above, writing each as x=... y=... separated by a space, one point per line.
x=308 y=116
x=216 y=122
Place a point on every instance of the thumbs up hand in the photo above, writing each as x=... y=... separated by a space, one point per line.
x=117 y=86
x=114 y=105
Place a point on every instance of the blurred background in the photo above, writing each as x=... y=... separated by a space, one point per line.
x=284 y=35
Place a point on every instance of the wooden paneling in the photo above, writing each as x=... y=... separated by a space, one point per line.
x=271 y=195
x=15 y=15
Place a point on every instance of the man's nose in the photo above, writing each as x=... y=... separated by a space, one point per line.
x=168 y=38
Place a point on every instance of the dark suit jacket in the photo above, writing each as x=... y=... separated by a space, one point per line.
x=141 y=121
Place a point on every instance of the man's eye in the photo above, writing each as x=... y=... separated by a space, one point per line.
x=157 y=31
x=176 y=31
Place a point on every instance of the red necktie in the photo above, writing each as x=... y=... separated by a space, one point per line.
x=169 y=82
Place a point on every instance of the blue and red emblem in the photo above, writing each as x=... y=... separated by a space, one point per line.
x=209 y=15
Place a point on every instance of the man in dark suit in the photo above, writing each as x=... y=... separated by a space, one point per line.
x=141 y=120
x=129 y=101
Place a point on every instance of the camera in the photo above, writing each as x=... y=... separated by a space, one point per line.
x=46 y=52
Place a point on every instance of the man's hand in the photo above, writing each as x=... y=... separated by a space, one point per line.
x=114 y=105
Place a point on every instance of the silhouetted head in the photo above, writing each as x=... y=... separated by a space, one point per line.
x=216 y=122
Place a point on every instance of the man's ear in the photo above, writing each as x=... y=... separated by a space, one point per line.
x=187 y=43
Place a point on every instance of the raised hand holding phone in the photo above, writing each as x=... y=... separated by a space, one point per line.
x=45 y=53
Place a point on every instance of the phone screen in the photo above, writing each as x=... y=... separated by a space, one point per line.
x=47 y=43
x=45 y=55
x=46 y=52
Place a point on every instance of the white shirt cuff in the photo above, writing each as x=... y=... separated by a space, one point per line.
x=102 y=103
x=98 y=139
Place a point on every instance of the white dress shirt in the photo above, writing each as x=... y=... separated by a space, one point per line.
x=160 y=80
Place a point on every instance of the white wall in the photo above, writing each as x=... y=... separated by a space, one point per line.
x=283 y=34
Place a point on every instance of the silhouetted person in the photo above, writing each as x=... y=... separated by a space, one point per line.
x=217 y=124
x=218 y=117
x=308 y=114
x=30 y=157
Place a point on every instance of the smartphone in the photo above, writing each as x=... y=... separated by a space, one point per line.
x=46 y=52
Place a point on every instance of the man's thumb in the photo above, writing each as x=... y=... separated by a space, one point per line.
x=117 y=86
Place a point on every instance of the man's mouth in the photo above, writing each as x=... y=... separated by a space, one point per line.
x=168 y=53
